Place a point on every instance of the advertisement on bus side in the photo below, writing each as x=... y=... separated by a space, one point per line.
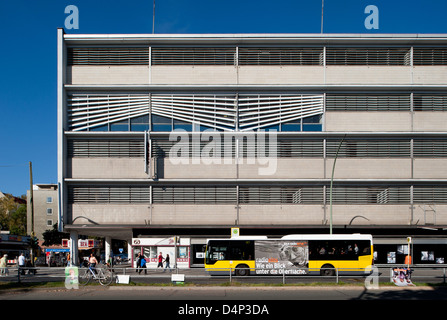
x=278 y=257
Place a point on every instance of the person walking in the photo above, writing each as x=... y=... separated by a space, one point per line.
x=143 y=265
x=22 y=263
x=160 y=261
x=167 y=260
x=4 y=265
x=138 y=262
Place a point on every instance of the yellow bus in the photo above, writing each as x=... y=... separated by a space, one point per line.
x=291 y=255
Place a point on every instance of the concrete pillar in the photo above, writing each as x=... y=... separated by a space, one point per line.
x=108 y=248
x=129 y=251
x=74 y=252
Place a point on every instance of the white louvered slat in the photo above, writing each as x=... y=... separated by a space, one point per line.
x=216 y=111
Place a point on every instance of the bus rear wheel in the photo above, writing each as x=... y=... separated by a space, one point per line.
x=327 y=270
x=242 y=270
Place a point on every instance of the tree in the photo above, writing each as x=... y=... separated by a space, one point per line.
x=12 y=215
x=17 y=221
x=54 y=237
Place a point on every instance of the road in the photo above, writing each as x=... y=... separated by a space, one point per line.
x=227 y=293
x=225 y=302
x=200 y=277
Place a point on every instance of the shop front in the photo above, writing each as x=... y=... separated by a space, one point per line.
x=152 y=248
x=56 y=257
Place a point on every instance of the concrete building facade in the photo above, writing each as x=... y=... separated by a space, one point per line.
x=45 y=209
x=189 y=135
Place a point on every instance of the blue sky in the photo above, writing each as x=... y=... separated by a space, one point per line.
x=28 y=118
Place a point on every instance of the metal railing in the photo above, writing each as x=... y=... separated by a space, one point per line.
x=426 y=274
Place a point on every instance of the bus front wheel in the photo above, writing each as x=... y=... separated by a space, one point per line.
x=242 y=270
x=327 y=270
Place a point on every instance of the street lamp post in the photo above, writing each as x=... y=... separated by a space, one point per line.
x=332 y=182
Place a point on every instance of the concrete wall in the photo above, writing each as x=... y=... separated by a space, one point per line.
x=367 y=121
x=286 y=214
x=107 y=75
x=430 y=168
x=292 y=214
x=430 y=75
x=363 y=168
x=280 y=168
x=368 y=75
x=260 y=75
x=371 y=214
x=263 y=75
x=190 y=214
x=426 y=121
x=105 y=168
x=115 y=214
x=193 y=74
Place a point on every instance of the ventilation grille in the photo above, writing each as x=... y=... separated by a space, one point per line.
x=429 y=148
x=429 y=56
x=425 y=102
x=369 y=148
x=368 y=56
x=161 y=148
x=196 y=195
x=104 y=148
x=215 y=111
x=369 y=195
x=115 y=194
x=256 y=56
x=285 y=148
x=108 y=56
x=273 y=195
x=362 y=102
x=426 y=194
x=281 y=56
x=193 y=56
x=255 y=195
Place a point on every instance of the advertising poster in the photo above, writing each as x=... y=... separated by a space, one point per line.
x=71 y=278
x=278 y=257
x=402 y=277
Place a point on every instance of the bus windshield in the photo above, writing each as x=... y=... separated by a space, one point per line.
x=218 y=250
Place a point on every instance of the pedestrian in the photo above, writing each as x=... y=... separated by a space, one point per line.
x=138 y=262
x=4 y=264
x=22 y=263
x=167 y=260
x=160 y=261
x=143 y=265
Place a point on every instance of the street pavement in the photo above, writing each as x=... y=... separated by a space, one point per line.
x=199 y=276
x=208 y=297
x=240 y=294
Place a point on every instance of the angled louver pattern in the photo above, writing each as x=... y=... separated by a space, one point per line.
x=89 y=111
x=215 y=111
x=228 y=112
x=258 y=111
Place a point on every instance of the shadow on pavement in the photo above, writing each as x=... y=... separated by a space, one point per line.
x=413 y=293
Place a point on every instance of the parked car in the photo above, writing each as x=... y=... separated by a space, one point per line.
x=120 y=257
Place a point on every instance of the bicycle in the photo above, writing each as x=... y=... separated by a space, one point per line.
x=103 y=275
